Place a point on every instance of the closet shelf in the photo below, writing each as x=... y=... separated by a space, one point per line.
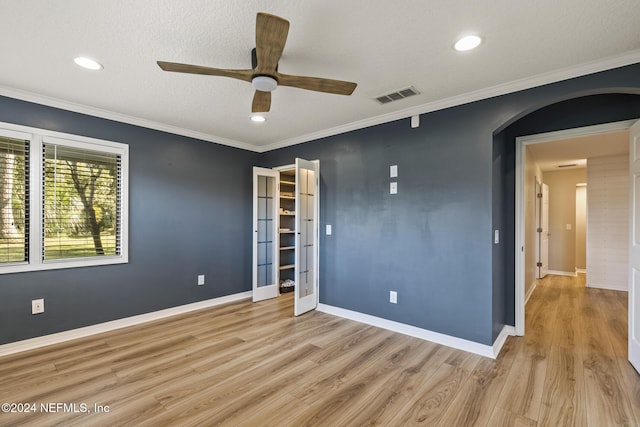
x=286 y=248
x=287 y=267
x=288 y=182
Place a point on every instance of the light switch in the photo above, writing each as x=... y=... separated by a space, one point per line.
x=328 y=230
x=393 y=171
x=568 y=226
x=496 y=236
x=393 y=188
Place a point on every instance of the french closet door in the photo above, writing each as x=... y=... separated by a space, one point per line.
x=265 y=235
x=307 y=236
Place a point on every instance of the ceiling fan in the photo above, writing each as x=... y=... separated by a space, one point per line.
x=271 y=36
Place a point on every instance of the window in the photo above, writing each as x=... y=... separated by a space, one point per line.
x=14 y=199
x=64 y=200
x=80 y=201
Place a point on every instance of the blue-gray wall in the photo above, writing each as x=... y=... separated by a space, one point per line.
x=433 y=242
x=190 y=214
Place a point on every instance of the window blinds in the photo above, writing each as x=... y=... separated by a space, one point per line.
x=81 y=202
x=14 y=200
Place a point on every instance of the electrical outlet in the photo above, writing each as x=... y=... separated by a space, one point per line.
x=200 y=279
x=37 y=306
x=393 y=297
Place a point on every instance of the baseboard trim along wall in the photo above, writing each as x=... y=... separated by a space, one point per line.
x=607 y=287
x=581 y=270
x=562 y=273
x=30 y=344
x=425 y=334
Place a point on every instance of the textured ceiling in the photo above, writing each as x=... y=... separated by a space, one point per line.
x=383 y=46
x=549 y=155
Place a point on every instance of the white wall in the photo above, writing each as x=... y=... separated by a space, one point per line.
x=581 y=228
x=608 y=222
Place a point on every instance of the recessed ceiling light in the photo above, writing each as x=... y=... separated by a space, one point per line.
x=467 y=43
x=258 y=119
x=87 y=63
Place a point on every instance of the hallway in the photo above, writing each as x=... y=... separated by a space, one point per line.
x=571 y=366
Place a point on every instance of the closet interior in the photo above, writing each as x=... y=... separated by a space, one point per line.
x=286 y=230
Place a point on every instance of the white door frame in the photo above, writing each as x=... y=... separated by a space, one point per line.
x=634 y=253
x=543 y=270
x=520 y=179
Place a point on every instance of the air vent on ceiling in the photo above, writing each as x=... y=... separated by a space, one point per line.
x=396 y=96
x=568 y=166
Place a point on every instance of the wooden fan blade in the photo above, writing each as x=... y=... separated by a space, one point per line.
x=245 y=75
x=271 y=35
x=318 y=84
x=261 y=102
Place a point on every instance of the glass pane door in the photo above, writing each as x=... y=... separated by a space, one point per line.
x=265 y=248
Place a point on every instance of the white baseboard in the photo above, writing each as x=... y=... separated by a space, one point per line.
x=581 y=270
x=30 y=344
x=562 y=273
x=502 y=338
x=531 y=289
x=608 y=287
x=425 y=334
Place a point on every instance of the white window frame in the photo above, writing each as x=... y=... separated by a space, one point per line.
x=36 y=139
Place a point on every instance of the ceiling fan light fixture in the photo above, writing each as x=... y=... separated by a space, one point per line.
x=87 y=63
x=258 y=119
x=467 y=43
x=264 y=83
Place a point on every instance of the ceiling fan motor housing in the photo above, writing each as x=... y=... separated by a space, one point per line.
x=254 y=59
x=264 y=83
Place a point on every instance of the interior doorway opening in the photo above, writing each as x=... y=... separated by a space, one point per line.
x=524 y=287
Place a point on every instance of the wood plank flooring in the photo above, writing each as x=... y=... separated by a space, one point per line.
x=246 y=364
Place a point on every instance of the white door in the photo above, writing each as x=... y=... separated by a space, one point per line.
x=306 y=258
x=265 y=237
x=543 y=264
x=634 y=250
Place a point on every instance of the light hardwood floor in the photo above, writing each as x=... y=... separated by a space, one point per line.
x=256 y=365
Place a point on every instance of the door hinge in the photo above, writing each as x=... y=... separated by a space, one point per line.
x=539 y=229
x=539 y=195
x=539 y=264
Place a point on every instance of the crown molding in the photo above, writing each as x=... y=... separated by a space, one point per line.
x=119 y=117
x=628 y=58
x=575 y=132
x=584 y=69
